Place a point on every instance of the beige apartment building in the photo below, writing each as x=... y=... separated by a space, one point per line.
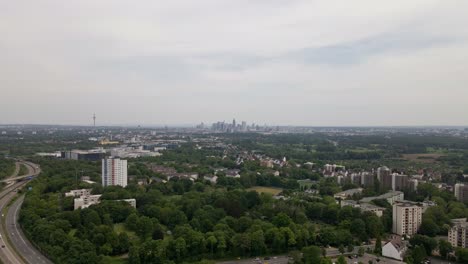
x=461 y=192
x=407 y=217
x=458 y=235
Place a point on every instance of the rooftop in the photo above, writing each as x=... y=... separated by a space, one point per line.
x=383 y=196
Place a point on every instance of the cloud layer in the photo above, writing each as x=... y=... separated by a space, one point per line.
x=269 y=61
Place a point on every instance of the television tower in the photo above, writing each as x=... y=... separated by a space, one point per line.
x=94 y=119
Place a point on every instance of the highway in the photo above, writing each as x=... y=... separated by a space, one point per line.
x=31 y=171
x=7 y=254
x=16 y=239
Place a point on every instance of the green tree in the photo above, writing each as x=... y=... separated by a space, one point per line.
x=131 y=222
x=429 y=227
x=341 y=260
x=341 y=248
x=462 y=255
x=378 y=246
x=444 y=248
x=418 y=254
x=374 y=226
x=144 y=227
x=212 y=242
x=90 y=217
x=359 y=229
x=428 y=243
x=180 y=247
x=134 y=255
x=282 y=220
x=311 y=255
x=258 y=242
x=361 y=251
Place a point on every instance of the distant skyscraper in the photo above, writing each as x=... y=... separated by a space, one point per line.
x=114 y=172
x=244 y=126
x=94 y=119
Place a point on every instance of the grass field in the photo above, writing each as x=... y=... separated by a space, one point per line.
x=113 y=260
x=23 y=170
x=119 y=228
x=422 y=157
x=270 y=190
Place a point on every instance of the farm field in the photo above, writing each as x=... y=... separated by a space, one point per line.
x=422 y=157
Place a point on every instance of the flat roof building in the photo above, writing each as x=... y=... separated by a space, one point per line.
x=86 y=201
x=348 y=193
x=78 y=193
x=391 y=197
x=457 y=234
x=92 y=155
x=407 y=218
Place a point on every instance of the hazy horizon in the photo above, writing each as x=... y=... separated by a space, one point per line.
x=299 y=63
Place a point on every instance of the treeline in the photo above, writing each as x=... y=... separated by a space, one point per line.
x=173 y=225
x=28 y=144
x=306 y=147
x=7 y=167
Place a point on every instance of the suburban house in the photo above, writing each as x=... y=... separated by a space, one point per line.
x=394 y=249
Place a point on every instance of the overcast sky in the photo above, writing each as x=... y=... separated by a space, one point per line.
x=288 y=62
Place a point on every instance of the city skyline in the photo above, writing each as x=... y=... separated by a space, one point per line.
x=321 y=63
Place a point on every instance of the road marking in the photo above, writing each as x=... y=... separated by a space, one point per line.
x=16 y=228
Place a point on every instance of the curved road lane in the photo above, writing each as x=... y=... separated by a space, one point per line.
x=7 y=254
x=17 y=237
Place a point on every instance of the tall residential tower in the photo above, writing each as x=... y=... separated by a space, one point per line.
x=407 y=218
x=114 y=172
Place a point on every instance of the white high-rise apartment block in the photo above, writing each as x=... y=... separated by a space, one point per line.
x=114 y=172
x=407 y=218
x=458 y=233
